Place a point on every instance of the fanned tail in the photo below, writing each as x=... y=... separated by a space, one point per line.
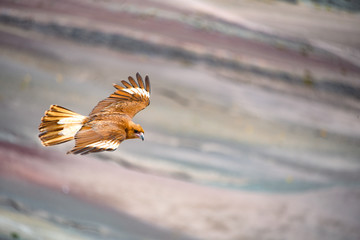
x=59 y=125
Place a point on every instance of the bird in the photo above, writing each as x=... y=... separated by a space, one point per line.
x=108 y=124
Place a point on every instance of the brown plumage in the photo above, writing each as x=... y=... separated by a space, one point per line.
x=108 y=124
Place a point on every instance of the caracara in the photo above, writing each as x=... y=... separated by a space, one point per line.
x=108 y=124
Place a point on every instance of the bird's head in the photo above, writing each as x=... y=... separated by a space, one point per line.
x=135 y=131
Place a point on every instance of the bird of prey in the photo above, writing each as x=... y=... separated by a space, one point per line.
x=108 y=124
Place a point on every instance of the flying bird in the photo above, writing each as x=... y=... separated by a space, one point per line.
x=108 y=124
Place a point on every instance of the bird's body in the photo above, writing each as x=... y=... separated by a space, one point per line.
x=108 y=124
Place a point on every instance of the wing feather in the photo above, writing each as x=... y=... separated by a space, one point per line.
x=129 y=99
x=126 y=84
x=140 y=81
x=118 y=96
x=118 y=87
x=132 y=81
x=147 y=82
x=98 y=136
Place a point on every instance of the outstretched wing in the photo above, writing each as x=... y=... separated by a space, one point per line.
x=128 y=99
x=99 y=135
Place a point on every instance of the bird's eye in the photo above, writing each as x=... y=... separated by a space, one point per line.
x=136 y=131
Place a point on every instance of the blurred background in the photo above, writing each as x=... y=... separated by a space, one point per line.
x=253 y=131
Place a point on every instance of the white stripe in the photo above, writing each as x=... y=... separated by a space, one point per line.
x=71 y=130
x=94 y=144
x=144 y=92
x=105 y=144
x=136 y=90
x=75 y=119
x=71 y=125
x=140 y=91
x=128 y=90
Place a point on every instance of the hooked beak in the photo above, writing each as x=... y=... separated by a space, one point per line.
x=141 y=135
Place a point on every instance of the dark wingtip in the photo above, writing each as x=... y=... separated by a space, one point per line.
x=126 y=84
x=140 y=80
x=133 y=82
x=147 y=84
